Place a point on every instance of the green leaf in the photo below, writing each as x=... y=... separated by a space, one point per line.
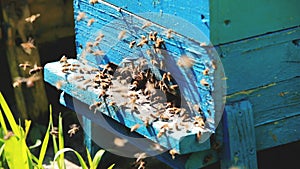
x=37 y=144
x=2 y=122
x=90 y=159
x=44 y=146
x=98 y=157
x=112 y=166
x=81 y=161
x=9 y=116
x=1 y=149
x=16 y=160
x=27 y=126
x=61 y=142
x=55 y=148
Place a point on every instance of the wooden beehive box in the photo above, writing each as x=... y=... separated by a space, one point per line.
x=259 y=50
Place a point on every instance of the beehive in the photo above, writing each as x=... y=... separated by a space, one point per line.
x=260 y=63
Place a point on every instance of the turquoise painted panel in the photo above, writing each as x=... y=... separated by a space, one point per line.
x=232 y=20
x=261 y=61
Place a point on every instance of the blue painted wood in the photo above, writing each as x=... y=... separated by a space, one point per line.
x=261 y=61
x=53 y=75
x=239 y=136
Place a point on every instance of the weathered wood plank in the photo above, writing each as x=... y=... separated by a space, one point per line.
x=239 y=136
x=272 y=102
x=278 y=133
x=248 y=68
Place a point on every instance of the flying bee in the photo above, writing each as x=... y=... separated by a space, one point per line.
x=73 y=129
x=169 y=33
x=204 y=83
x=63 y=59
x=35 y=69
x=32 y=18
x=122 y=34
x=28 y=46
x=80 y=16
x=25 y=65
x=173 y=152
x=90 y=22
x=140 y=156
x=8 y=135
x=161 y=132
x=119 y=142
x=134 y=127
x=54 y=131
x=185 y=62
x=142 y=42
x=159 y=43
x=146 y=25
x=132 y=43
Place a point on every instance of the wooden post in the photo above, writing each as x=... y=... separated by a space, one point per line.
x=31 y=102
x=239 y=137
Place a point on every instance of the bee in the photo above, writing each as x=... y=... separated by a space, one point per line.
x=88 y=44
x=204 y=83
x=90 y=22
x=122 y=34
x=177 y=127
x=157 y=147
x=93 y=2
x=8 y=135
x=142 y=164
x=32 y=18
x=99 y=37
x=95 y=105
x=132 y=43
x=63 y=59
x=161 y=132
x=169 y=77
x=59 y=84
x=169 y=33
x=102 y=94
x=112 y=103
x=214 y=64
x=152 y=36
x=146 y=25
x=173 y=87
x=98 y=53
x=75 y=65
x=119 y=142
x=146 y=122
x=164 y=117
x=199 y=122
x=31 y=80
x=185 y=62
x=78 y=78
x=80 y=16
x=134 y=127
x=159 y=43
x=54 y=131
x=173 y=152
x=142 y=42
x=73 y=129
x=18 y=81
x=25 y=65
x=203 y=44
x=65 y=69
x=198 y=136
x=140 y=156
x=35 y=69
x=206 y=71
x=28 y=46
x=66 y=65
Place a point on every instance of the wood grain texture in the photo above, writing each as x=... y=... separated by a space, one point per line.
x=239 y=136
x=261 y=61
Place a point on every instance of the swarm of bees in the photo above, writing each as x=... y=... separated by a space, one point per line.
x=34 y=75
x=133 y=86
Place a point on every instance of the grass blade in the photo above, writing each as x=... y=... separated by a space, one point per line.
x=90 y=159
x=81 y=161
x=44 y=147
x=2 y=122
x=111 y=167
x=37 y=144
x=61 y=142
x=9 y=116
x=27 y=126
x=98 y=157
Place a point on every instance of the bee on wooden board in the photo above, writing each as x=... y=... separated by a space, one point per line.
x=59 y=84
x=146 y=25
x=32 y=18
x=204 y=83
x=93 y=2
x=63 y=59
x=80 y=16
x=185 y=62
x=134 y=127
x=169 y=33
x=122 y=34
x=90 y=22
x=132 y=43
